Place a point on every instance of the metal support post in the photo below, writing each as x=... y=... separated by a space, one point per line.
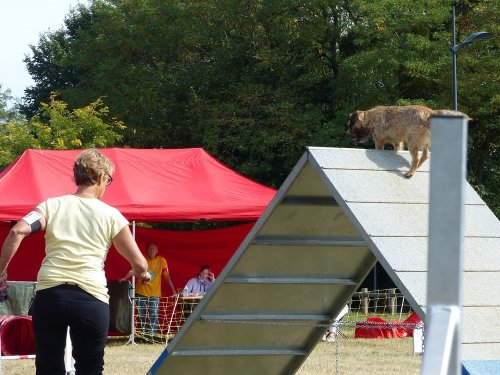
x=445 y=258
x=131 y=339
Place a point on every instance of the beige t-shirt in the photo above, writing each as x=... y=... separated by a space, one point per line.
x=78 y=235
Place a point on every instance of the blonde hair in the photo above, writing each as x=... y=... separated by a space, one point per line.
x=89 y=165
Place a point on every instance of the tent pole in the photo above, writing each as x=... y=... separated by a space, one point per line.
x=131 y=340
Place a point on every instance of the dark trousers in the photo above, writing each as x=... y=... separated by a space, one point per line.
x=56 y=309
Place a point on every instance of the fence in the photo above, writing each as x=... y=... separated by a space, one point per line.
x=388 y=304
x=172 y=312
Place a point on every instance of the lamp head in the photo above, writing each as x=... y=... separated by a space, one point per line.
x=471 y=38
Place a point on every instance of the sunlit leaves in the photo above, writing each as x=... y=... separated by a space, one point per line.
x=59 y=128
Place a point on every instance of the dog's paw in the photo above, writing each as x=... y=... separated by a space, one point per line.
x=408 y=174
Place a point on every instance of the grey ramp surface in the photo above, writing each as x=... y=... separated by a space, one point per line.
x=338 y=212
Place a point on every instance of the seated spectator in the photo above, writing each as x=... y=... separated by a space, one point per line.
x=199 y=285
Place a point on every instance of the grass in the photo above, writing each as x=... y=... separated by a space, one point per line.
x=363 y=356
x=345 y=357
x=356 y=356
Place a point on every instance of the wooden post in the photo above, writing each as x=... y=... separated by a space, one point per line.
x=392 y=301
x=365 y=301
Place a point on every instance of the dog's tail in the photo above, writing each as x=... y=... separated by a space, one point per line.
x=449 y=112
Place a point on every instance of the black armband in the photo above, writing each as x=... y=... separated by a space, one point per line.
x=36 y=226
x=33 y=219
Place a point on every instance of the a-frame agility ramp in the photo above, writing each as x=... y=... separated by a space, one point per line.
x=337 y=213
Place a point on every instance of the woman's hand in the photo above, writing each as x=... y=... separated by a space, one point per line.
x=145 y=277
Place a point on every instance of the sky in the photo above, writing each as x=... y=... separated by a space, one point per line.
x=21 y=24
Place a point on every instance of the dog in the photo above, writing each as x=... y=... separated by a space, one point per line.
x=396 y=125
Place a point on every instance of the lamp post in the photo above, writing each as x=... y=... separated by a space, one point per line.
x=457 y=47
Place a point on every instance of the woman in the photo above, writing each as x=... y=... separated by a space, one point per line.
x=71 y=284
x=199 y=285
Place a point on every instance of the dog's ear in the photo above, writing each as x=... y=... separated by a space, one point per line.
x=360 y=116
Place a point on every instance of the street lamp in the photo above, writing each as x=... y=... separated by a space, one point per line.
x=457 y=47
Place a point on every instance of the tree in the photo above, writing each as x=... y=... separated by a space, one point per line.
x=256 y=81
x=478 y=95
x=59 y=128
x=7 y=111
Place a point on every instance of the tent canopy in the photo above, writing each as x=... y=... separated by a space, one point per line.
x=148 y=185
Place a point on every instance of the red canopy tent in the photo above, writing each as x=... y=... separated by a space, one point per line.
x=148 y=185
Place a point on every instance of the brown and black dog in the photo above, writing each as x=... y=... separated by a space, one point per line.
x=396 y=125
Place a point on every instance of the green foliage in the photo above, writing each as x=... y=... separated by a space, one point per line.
x=4 y=98
x=254 y=82
x=7 y=111
x=14 y=139
x=80 y=128
x=57 y=128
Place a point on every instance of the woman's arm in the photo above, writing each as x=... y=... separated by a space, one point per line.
x=34 y=221
x=127 y=247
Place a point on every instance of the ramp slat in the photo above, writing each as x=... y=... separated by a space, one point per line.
x=288 y=280
x=286 y=241
x=265 y=317
x=238 y=352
